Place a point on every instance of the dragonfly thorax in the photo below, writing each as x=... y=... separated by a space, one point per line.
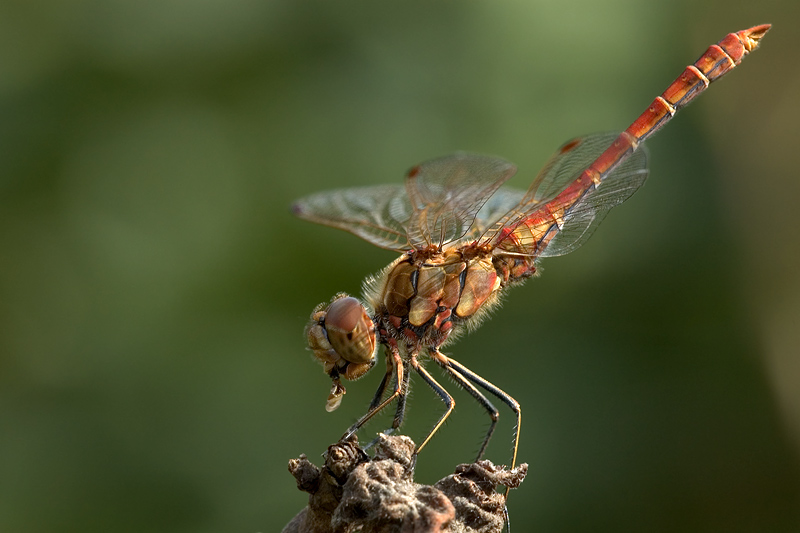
x=420 y=300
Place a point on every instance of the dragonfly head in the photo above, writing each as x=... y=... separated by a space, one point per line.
x=342 y=336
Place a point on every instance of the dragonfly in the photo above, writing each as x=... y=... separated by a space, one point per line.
x=464 y=239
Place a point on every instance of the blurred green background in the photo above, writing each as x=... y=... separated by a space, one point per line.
x=154 y=286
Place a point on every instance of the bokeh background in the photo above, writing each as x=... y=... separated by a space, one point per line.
x=154 y=286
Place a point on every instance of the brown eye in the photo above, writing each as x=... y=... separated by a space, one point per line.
x=350 y=330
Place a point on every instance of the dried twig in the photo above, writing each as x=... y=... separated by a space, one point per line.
x=353 y=492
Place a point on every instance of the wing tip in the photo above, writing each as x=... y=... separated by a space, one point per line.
x=297 y=209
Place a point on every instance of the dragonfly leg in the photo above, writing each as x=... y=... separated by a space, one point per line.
x=398 y=366
x=497 y=392
x=376 y=400
x=475 y=393
x=503 y=397
x=442 y=393
x=399 y=414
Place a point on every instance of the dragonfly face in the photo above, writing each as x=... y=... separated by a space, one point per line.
x=342 y=337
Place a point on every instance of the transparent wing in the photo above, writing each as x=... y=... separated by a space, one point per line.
x=446 y=195
x=376 y=214
x=578 y=216
x=438 y=204
x=584 y=216
x=561 y=169
x=566 y=165
x=501 y=202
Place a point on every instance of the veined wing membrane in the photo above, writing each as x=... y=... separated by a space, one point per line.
x=376 y=214
x=501 y=202
x=438 y=204
x=585 y=215
x=561 y=169
x=566 y=165
x=446 y=195
x=577 y=218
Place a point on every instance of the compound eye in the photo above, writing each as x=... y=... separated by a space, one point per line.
x=350 y=330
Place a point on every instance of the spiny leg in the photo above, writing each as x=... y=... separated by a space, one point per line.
x=398 y=366
x=496 y=391
x=376 y=400
x=399 y=414
x=475 y=393
x=506 y=399
x=442 y=393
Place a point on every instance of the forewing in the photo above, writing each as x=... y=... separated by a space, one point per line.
x=446 y=195
x=500 y=203
x=376 y=214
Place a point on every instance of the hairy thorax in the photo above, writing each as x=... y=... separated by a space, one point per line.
x=424 y=296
